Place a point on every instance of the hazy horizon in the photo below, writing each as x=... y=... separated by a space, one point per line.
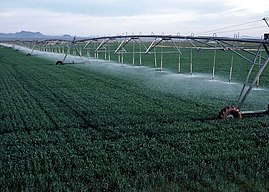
x=111 y=17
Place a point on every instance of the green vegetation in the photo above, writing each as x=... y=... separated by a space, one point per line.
x=65 y=128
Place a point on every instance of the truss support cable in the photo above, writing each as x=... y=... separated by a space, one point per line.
x=242 y=49
x=102 y=44
x=153 y=44
x=203 y=44
x=87 y=44
x=177 y=47
x=240 y=55
x=266 y=21
x=192 y=44
x=142 y=44
x=224 y=28
x=123 y=43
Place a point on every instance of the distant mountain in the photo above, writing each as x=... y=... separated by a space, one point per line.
x=28 y=35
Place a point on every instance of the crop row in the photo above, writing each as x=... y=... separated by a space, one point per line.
x=71 y=129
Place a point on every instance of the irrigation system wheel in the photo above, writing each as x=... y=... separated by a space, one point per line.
x=59 y=63
x=230 y=112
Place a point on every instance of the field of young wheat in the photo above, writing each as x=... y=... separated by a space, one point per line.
x=79 y=128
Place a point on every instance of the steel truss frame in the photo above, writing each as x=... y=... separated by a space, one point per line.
x=224 y=44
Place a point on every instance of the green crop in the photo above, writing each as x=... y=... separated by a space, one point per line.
x=75 y=128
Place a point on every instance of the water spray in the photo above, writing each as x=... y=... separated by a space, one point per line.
x=224 y=44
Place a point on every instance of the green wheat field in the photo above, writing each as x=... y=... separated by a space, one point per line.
x=82 y=128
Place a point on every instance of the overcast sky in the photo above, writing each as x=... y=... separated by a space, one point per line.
x=110 y=17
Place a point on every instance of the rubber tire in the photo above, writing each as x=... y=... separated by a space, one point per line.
x=230 y=112
x=28 y=54
x=59 y=63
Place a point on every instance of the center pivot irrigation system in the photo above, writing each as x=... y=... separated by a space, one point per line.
x=258 y=55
